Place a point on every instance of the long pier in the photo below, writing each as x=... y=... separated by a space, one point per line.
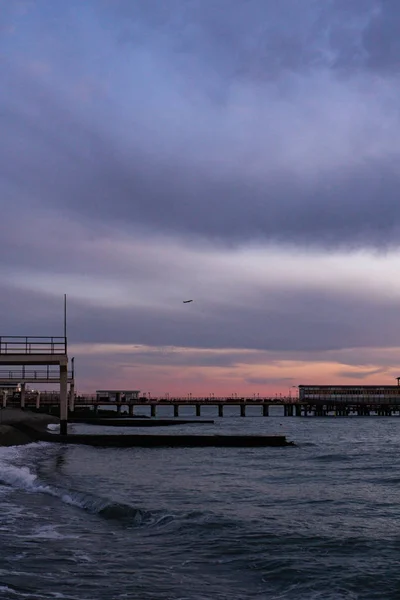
x=89 y=405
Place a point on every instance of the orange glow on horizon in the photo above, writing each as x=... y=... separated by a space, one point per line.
x=123 y=367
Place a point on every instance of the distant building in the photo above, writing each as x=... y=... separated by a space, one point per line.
x=349 y=393
x=117 y=395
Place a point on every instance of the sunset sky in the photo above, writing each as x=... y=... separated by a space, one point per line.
x=240 y=153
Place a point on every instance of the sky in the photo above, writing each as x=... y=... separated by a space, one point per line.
x=240 y=153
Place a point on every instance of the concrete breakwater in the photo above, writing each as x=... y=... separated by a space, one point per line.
x=129 y=441
x=145 y=422
x=22 y=427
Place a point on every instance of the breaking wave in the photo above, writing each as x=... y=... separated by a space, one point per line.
x=22 y=478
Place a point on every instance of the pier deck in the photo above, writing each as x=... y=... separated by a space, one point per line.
x=95 y=409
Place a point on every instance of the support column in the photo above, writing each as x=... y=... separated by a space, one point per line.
x=63 y=399
x=118 y=409
x=265 y=410
x=22 y=396
x=131 y=407
x=176 y=410
x=242 y=410
x=72 y=397
x=5 y=399
x=198 y=410
x=38 y=401
x=220 y=410
x=153 y=410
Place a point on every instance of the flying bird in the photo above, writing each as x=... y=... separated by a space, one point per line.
x=187 y=301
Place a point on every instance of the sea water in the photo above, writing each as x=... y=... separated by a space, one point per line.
x=318 y=521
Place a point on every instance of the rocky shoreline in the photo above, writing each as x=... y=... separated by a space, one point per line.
x=10 y=418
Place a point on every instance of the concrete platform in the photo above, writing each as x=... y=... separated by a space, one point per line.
x=137 y=422
x=128 y=441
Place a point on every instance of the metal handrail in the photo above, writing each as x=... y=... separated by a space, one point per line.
x=23 y=373
x=19 y=344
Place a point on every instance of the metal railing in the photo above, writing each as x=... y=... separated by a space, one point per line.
x=19 y=344
x=21 y=373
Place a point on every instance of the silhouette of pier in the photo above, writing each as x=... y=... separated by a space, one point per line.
x=91 y=406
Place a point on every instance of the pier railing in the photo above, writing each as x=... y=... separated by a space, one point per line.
x=21 y=373
x=91 y=399
x=32 y=345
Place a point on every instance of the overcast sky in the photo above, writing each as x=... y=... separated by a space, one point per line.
x=240 y=153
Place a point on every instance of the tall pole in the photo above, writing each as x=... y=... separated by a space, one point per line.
x=65 y=315
x=65 y=322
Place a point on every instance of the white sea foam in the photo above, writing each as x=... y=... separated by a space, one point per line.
x=53 y=426
x=17 y=593
x=50 y=532
x=5 y=589
x=19 y=477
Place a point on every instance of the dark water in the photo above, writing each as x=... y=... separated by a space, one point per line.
x=316 y=521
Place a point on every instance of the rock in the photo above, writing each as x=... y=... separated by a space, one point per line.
x=9 y=436
x=10 y=416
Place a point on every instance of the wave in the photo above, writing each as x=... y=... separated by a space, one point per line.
x=333 y=458
x=23 y=479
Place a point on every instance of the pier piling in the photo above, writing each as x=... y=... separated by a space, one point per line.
x=23 y=390
x=72 y=397
x=63 y=399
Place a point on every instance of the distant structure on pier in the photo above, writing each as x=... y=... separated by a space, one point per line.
x=117 y=395
x=349 y=393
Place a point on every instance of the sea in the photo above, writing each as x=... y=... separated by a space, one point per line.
x=316 y=521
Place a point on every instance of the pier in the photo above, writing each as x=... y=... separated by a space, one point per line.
x=89 y=407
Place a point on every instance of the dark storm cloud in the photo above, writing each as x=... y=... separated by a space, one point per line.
x=139 y=152
x=381 y=37
x=263 y=39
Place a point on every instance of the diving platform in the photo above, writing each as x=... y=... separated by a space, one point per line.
x=21 y=353
x=25 y=350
